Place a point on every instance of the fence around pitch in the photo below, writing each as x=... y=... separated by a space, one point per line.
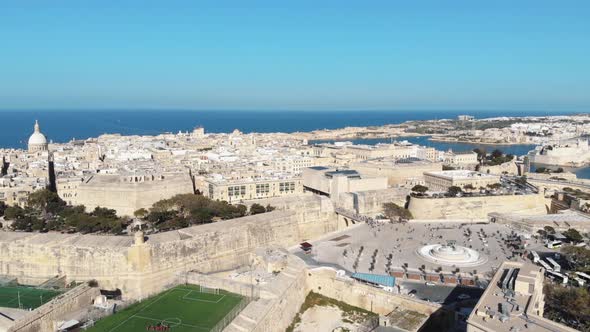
x=227 y=319
x=243 y=289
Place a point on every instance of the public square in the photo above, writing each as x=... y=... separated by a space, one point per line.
x=368 y=248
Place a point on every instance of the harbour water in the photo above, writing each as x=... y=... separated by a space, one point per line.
x=517 y=150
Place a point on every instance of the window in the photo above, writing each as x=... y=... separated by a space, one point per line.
x=236 y=190
x=262 y=188
x=287 y=187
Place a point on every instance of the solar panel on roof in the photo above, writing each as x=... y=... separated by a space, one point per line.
x=378 y=279
x=319 y=168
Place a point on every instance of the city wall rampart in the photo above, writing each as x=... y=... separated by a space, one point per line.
x=475 y=207
x=275 y=312
x=47 y=316
x=508 y=168
x=371 y=202
x=325 y=282
x=291 y=286
x=127 y=196
x=141 y=269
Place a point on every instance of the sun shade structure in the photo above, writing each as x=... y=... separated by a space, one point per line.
x=305 y=246
x=377 y=279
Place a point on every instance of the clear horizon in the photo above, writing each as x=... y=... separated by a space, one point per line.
x=553 y=112
x=304 y=56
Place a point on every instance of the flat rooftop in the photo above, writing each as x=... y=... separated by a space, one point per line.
x=565 y=217
x=504 y=309
x=349 y=173
x=460 y=174
x=393 y=162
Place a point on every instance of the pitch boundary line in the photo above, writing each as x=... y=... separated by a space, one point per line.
x=159 y=298
x=166 y=320
x=141 y=309
x=200 y=300
x=229 y=295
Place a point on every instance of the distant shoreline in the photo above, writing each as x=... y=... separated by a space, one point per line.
x=440 y=139
x=61 y=127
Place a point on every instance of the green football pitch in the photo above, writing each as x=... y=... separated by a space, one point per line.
x=182 y=308
x=25 y=297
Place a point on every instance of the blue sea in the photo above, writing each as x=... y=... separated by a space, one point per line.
x=63 y=126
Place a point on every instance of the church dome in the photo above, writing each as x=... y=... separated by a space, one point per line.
x=37 y=139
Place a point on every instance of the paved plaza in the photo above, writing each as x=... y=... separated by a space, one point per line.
x=366 y=248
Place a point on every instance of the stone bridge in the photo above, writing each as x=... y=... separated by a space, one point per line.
x=350 y=216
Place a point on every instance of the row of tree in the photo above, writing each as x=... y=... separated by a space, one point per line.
x=548 y=170
x=452 y=191
x=187 y=209
x=497 y=157
x=46 y=211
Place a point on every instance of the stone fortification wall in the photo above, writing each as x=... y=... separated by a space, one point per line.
x=569 y=176
x=397 y=174
x=509 y=167
x=127 y=196
x=295 y=203
x=46 y=317
x=33 y=257
x=275 y=311
x=475 y=207
x=563 y=156
x=282 y=297
x=325 y=282
x=144 y=268
x=371 y=202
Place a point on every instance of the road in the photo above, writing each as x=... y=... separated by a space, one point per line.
x=444 y=294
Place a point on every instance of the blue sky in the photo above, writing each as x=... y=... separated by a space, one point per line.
x=529 y=55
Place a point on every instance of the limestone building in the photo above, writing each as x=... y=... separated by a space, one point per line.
x=198 y=132
x=245 y=189
x=464 y=117
x=397 y=171
x=513 y=301
x=333 y=182
x=460 y=159
x=37 y=141
x=442 y=180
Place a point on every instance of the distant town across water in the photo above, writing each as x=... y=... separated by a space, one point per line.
x=63 y=126
x=516 y=149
